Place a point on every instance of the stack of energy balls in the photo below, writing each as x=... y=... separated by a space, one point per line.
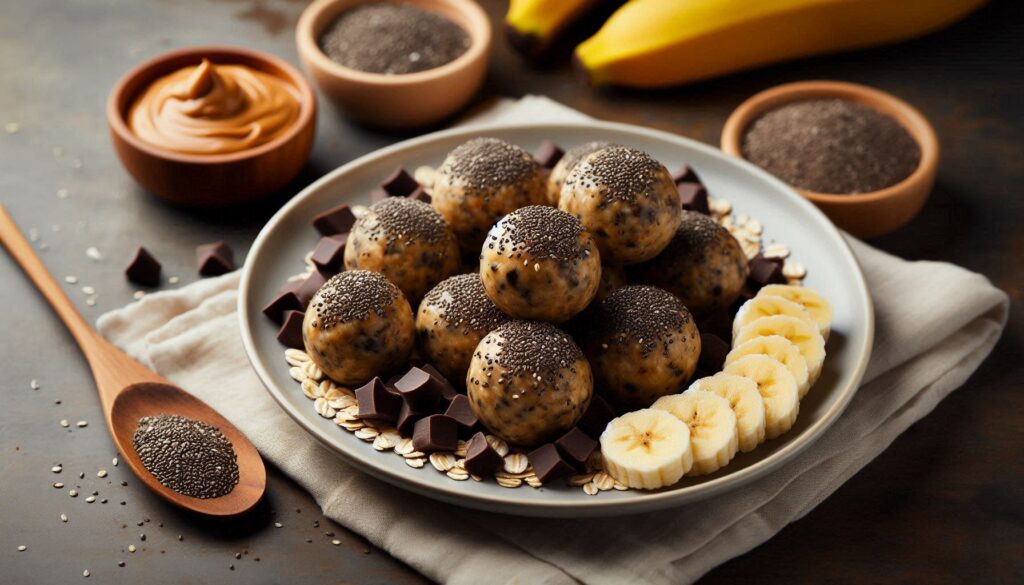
x=519 y=275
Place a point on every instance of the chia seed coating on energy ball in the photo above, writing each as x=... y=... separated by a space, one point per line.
x=538 y=232
x=352 y=295
x=189 y=456
x=487 y=164
x=408 y=219
x=575 y=154
x=646 y=315
x=621 y=173
x=533 y=347
x=461 y=300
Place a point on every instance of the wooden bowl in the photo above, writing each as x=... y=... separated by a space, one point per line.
x=397 y=101
x=864 y=215
x=211 y=180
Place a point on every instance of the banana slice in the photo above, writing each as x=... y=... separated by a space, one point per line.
x=746 y=403
x=800 y=333
x=817 y=305
x=646 y=449
x=768 y=306
x=780 y=348
x=712 y=427
x=777 y=388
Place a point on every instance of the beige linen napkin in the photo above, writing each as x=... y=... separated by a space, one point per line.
x=935 y=324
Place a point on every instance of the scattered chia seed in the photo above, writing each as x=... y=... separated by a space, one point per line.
x=188 y=456
x=832 y=146
x=393 y=39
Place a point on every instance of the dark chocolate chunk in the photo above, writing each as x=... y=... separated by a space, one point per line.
x=436 y=432
x=576 y=447
x=718 y=323
x=712 y=352
x=596 y=417
x=764 y=271
x=338 y=220
x=548 y=154
x=686 y=174
x=693 y=197
x=305 y=289
x=463 y=414
x=290 y=334
x=548 y=463
x=143 y=269
x=329 y=254
x=376 y=403
x=407 y=417
x=448 y=392
x=420 y=195
x=215 y=259
x=481 y=459
x=399 y=184
x=421 y=390
x=286 y=301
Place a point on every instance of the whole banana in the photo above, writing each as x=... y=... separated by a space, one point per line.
x=532 y=25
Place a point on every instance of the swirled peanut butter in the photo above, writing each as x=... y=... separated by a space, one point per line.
x=214 y=109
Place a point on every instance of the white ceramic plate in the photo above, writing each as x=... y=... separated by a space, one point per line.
x=279 y=249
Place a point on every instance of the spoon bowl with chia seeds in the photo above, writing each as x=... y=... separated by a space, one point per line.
x=175 y=443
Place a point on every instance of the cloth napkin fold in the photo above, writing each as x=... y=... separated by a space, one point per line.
x=935 y=324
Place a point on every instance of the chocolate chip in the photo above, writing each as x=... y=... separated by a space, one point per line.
x=712 y=352
x=419 y=389
x=576 y=447
x=329 y=254
x=596 y=417
x=548 y=463
x=436 y=432
x=718 y=323
x=460 y=410
x=448 y=392
x=286 y=301
x=305 y=289
x=215 y=259
x=338 y=220
x=420 y=195
x=693 y=197
x=407 y=417
x=548 y=154
x=399 y=184
x=764 y=271
x=685 y=174
x=481 y=459
x=376 y=403
x=290 y=334
x=143 y=269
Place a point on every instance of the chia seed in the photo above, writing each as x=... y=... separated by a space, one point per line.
x=189 y=456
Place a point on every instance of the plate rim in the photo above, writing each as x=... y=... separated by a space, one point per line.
x=648 y=501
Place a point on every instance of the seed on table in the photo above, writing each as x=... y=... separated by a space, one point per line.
x=86 y=573
x=91 y=301
x=64 y=423
x=114 y=461
x=56 y=468
x=120 y=563
x=173 y=280
x=82 y=424
x=278 y=525
x=88 y=290
x=131 y=548
x=34 y=384
x=103 y=501
x=64 y=518
x=138 y=294
x=101 y=473
x=73 y=493
x=58 y=485
x=238 y=555
x=81 y=475
x=335 y=542
x=92 y=252
x=90 y=499
x=22 y=548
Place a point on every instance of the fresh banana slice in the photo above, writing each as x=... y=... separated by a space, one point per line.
x=817 y=305
x=780 y=348
x=777 y=389
x=646 y=449
x=746 y=403
x=800 y=333
x=768 y=306
x=712 y=427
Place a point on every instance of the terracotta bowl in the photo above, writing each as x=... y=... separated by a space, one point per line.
x=397 y=101
x=211 y=180
x=864 y=215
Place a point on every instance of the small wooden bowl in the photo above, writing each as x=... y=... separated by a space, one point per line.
x=864 y=215
x=397 y=101
x=211 y=180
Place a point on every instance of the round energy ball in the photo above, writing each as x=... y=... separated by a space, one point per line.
x=703 y=265
x=539 y=263
x=357 y=326
x=566 y=164
x=627 y=199
x=642 y=344
x=452 y=319
x=480 y=182
x=528 y=382
x=405 y=240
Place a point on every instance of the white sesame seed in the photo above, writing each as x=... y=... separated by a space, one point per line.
x=131 y=548
x=57 y=468
x=71 y=279
x=86 y=573
x=173 y=280
x=278 y=525
x=90 y=499
x=101 y=473
x=34 y=384
x=335 y=542
x=58 y=484
x=64 y=423
x=88 y=290
x=82 y=424
x=93 y=253
x=64 y=518
x=73 y=493
x=114 y=461
x=91 y=301
x=139 y=294
x=22 y=548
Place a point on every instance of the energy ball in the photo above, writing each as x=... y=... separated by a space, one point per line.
x=452 y=319
x=539 y=263
x=642 y=344
x=703 y=265
x=358 y=325
x=480 y=182
x=566 y=164
x=405 y=240
x=529 y=382
x=627 y=199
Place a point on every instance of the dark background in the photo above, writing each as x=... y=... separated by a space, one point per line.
x=943 y=505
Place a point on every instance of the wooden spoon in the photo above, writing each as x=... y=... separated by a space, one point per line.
x=130 y=391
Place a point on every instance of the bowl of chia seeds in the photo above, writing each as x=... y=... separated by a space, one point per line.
x=396 y=65
x=865 y=157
